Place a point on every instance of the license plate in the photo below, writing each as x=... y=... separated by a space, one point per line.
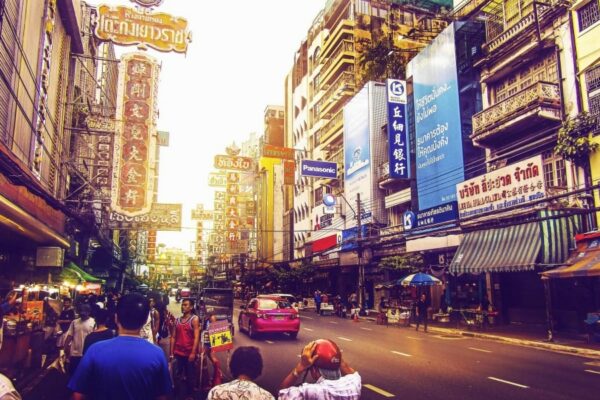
x=279 y=318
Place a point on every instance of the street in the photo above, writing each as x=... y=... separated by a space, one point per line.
x=398 y=362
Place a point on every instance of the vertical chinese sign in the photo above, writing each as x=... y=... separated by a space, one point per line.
x=135 y=144
x=397 y=129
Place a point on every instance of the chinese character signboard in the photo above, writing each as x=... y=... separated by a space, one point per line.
x=515 y=184
x=128 y=26
x=135 y=138
x=397 y=129
x=99 y=136
x=284 y=153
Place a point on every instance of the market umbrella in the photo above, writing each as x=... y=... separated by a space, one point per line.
x=420 y=279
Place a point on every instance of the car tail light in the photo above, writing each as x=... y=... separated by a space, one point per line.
x=261 y=315
x=293 y=316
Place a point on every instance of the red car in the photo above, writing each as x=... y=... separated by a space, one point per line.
x=269 y=314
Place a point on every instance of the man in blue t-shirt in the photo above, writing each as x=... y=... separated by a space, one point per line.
x=126 y=367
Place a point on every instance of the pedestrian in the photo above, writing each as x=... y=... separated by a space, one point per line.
x=67 y=315
x=353 y=300
x=246 y=366
x=150 y=329
x=7 y=389
x=126 y=367
x=184 y=345
x=421 y=309
x=76 y=334
x=334 y=378
x=484 y=308
x=102 y=332
x=318 y=299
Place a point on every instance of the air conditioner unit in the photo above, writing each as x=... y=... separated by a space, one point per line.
x=49 y=257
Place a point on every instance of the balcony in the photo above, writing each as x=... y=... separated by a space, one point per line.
x=342 y=89
x=533 y=108
x=332 y=127
x=344 y=53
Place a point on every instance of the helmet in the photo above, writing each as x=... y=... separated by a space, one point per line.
x=329 y=354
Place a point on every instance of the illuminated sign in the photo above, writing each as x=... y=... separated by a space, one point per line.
x=127 y=26
x=135 y=137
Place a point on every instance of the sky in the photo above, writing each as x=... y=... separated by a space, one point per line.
x=216 y=94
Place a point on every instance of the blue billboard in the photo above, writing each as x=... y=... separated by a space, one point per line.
x=318 y=169
x=438 y=136
x=357 y=148
x=397 y=129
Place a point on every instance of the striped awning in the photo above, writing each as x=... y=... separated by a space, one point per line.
x=513 y=248
x=585 y=262
x=558 y=236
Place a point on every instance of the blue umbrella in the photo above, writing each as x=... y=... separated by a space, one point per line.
x=420 y=279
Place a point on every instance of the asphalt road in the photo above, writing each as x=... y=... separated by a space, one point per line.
x=397 y=362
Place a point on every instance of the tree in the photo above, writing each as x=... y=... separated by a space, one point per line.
x=379 y=60
x=575 y=138
x=408 y=263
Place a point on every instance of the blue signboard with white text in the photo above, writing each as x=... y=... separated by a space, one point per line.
x=318 y=169
x=438 y=136
x=350 y=238
x=397 y=129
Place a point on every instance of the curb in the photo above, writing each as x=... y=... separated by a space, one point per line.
x=524 y=342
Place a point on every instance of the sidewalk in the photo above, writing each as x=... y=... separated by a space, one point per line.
x=523 y=335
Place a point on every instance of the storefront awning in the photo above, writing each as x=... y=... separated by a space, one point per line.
x=584 y=263
x=72 y=269
x=513 y=248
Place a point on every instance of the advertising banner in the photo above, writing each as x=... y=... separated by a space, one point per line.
x=318 y=169
x=219 y=334
x=127 y=26
x=515 y=184
x=135 y=137
x=162 y=217
x=397 y=129
x=439 y=151
x=357 y=150
x=349 y=238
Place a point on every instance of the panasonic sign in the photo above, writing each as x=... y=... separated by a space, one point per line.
x=318 y=169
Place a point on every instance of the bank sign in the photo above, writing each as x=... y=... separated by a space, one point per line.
x=318 y=169
x=439 y=151
x=397 y=129
x=515 y=184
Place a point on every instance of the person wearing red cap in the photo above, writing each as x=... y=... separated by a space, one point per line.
x=333 y=377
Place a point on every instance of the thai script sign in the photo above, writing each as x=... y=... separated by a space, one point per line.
x=162 y=217
x=318 y=169
x=135 y=143
x=217 y=179
x=233 y=162
x=128 y=26
x=397 y=129
x=284 y=153
x=515 y=184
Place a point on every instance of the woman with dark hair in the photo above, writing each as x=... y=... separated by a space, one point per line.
x=245 y=365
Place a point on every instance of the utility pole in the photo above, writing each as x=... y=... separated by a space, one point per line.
x=361 y=268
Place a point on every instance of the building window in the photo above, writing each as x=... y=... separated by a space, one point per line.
x=592 y=79
x=588 y=15
x=594 y=107
x=555 y=170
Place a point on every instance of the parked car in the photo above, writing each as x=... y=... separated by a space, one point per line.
x=269 y=314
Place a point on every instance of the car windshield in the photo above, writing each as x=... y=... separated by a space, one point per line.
x=268 y=304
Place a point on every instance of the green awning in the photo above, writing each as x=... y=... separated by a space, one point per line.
x=558 y=236
x=71 y=270
x=513 y=248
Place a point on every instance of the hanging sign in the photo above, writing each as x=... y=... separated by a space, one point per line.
x=397 y=129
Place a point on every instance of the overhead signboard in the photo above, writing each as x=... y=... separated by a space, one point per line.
x=135 y=136
x=236 y=163
x=217 y=179
x=128 y=26
x=163 y=138
x=162 y=217
x=289 y=172
x=148 y=3
x=318 y=169
x=284 y=153
x=397 y=129
x=515 y=184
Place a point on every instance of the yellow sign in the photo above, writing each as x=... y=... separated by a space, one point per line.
x=128 y=26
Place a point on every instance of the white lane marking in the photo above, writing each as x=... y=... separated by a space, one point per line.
x=508 y=382
x=366 y=329
x=304 y=316
x=343 y=338
x=378 y=390
x=481 y=350
x=414 y=338
x=308 y=329
x=333 y=322
x=591 y=371
x=401 y=354
x=270 y=342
